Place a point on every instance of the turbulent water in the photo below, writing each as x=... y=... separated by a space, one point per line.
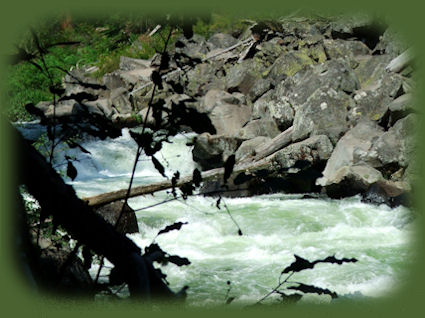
x=275 y=227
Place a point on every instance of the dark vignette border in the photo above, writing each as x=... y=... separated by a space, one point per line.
x=16 y=299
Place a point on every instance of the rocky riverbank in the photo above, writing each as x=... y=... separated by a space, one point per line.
x=323 y=104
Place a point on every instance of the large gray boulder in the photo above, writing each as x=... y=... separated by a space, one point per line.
x=204 y=77
x=228 y=119
x=351 y=180
x=290 y=63
x=345 y=49
x=373 y=102
x=283 y=102
x=349 y=149
x=371 y=68
x=241 y=77
x=120 y=100
x=309 y=151
x=324 y=113
x=259 y=127
x=78 y=80
x=221 y=41
x=276 y=106
x=215 y=97
x=211 y=151
x=193 y=48
x=397 y=145
x=227 y=112
x=129 y=64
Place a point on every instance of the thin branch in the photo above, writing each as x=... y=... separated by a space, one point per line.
x=231 y=217
x=276 y=288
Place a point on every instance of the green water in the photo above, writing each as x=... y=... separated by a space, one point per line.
x=275 y=227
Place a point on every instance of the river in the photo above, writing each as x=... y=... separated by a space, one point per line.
x=275 y=227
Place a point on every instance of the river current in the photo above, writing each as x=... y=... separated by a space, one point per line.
x=274 y=227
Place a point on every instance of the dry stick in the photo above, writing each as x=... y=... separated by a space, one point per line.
x=136 y=160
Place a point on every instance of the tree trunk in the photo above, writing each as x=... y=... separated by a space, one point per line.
x=60 y=200
x=209 y=175
x=400 y=62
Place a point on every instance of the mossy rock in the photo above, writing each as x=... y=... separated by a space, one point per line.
x=290 y=63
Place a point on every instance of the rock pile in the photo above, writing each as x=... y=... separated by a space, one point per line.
x=321 y=100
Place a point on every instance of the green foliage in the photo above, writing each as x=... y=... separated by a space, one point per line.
x=102 y=42
x=219 y=23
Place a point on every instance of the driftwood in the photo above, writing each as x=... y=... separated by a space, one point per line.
x=400 y=62
x=60 y=200
x=260 y=161
x=277 y=143
x=209 y=175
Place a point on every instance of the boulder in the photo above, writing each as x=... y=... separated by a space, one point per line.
x=221 y=41
x=270 y=50
x=259 y=127
x=110 y=213
x=282 y=103
x=273 y=105
x=290 y=63
x=228 y=119
x=103 y=105
x=248 y=147
x=211 y=151
x=370 y=69
x=120 y=100
x=396 y=146
x=260 y=87
x=66 y=108
x=373 y=102
x=78 y=80
x=74 y=280
x=293 y=169
x=302 y=154
x=204 y=77
x=241 y=77
x=324 y=113
x=348 y=150
x=387 y=192
x=127 y=79
x=336 y=74
x=392 y=43
x=226 y=111
x=215 y=97
x=345 y=49
x=352 y=180
x=193 y=48
x=400 y=108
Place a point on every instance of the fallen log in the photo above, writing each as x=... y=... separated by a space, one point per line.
x=209 y=175
x=400 y=62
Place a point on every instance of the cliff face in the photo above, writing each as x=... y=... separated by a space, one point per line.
x=326 y=102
